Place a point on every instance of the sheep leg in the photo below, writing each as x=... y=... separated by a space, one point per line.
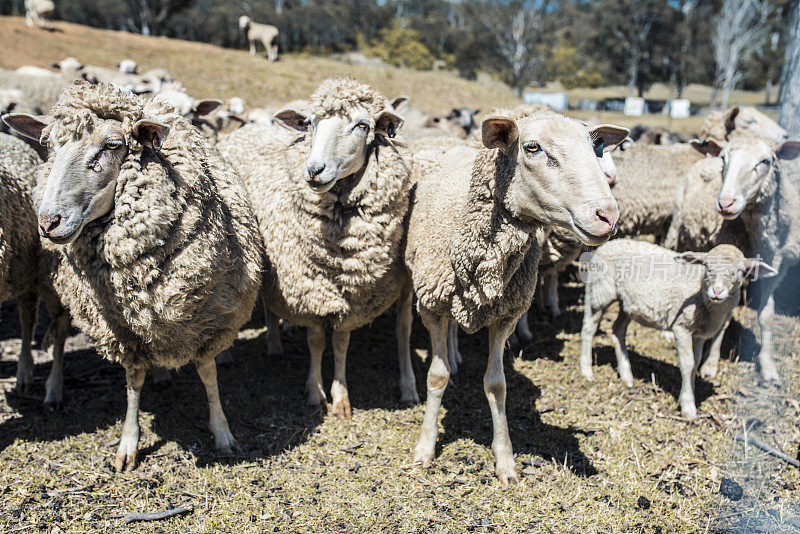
x=438 y=377
x=766 y=314
x=551 y=292
x=315 y=335
x=711 y=365
x=408 y=383
x=341 y=400
x=591 y=320
x=274 y=344
x=252 y=48
x=27 y=319
x=618 y=333
x=686 y=362
x=453 y=356
x=129 y=441
x=223 y=439
x=55 y=381
x=523 y=330
x=494 y=385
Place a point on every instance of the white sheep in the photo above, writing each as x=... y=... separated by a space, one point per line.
x=128 y=66
x=472 y=246
x=157 y=252
x=331 y=204
x=39 y=12
x=691 y=294
x=265 y=34
x=24 y=265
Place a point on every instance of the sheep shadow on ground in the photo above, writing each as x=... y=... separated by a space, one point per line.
x=468 y=412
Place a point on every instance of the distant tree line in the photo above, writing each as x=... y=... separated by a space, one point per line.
x=724 y=43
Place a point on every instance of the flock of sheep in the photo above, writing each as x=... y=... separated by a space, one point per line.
x=152 y=221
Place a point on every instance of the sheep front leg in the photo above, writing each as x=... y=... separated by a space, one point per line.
x=223 y=439
x=27 y=319
x=341 y=400
x=687 y=352
x=494 y=385
x=523 y=330
x=252 y=48
x=711 y=365
x=551 y=290
x=769 y=371
x=618 y=334
x=591 y=320
x=408 y=383
x=453 y=355
x=55 y=381
x=274 y=344
x=129 y=441
x=438 y=376
x=315 y=335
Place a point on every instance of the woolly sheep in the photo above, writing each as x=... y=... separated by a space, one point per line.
x=142 y=216
x=331 y=205
x=39 y=12
x=656 y=135
x=23 y=264
x=265 y=34
x=40 y=92
x=662 y=289
x=472 y=246
x=759 y=186
x=128 y=66
x=195 y=110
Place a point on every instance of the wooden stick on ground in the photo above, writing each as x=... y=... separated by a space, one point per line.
x=770 y=450
x=155 y=516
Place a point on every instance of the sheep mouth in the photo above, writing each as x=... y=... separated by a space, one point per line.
x=66 y=238
x=321 y=187
x=588 y=237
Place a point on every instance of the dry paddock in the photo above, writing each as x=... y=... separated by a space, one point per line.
x=595 y=457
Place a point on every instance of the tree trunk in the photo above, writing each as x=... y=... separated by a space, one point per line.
x=790 y=108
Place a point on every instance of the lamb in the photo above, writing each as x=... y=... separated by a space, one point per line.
x=331 y=205
x=23 y=263
x=157 y=251
x=662 y=289
x=230 y=113
x=128 y=66
x=472 y=246
x=39 y=12
x=195 y=110
x=266 y=34
x=759 y=186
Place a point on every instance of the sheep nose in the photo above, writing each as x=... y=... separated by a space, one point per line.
x=724 y=204
x=608 y=219
x=314 y=169
x=611 y=177
x=48 y=223
x=717 y=291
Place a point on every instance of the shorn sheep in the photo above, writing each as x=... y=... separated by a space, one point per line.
x=759 y=185
x=39 y=12
x=472 y=246
x=265 y=34
x=331 y=205
x=158 y=255
x=662 y=289
x=23 y=263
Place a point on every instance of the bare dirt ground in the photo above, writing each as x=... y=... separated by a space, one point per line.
x=594 y=456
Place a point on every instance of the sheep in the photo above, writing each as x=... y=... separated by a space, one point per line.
x=30 y=70
x=719 y=124
x=472 y=246
x=331 y=205
x=231 y=112
x=39 y=12
x=23 y=263
x=258 y=116
x=40 y=92
x=156 y=249
x=264 y=33
x=662 y=289
x=68 y=66
x=459 y=123
x=128 y=66
x=759 y=186
x=656 y=135
x=194 y=110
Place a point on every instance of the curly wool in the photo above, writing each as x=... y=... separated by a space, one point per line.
x=336 y=96
x=172 y=272
x=333 y=258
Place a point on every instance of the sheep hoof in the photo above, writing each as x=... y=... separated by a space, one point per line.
x=126 y=458
x=228 y=446
x=588 y=375
x=409 y=396
x=689 y=411
x=316 y=398
x=424 y=458
x=53 y=400
x=708 y=372
x=507 y=474
x=770 y=373
x=341 y=408
x=24 y=382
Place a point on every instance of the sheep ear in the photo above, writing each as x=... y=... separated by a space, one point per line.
x=788 y=149
x=399 y=103
x=610 y=134
x=499 y=132
x=387 y=123
x=695 y=258
x=206 y=106
x=755 y=269
x=28 y=125
x=150 y=133
x=454 y=113
x=292 y=119
x=730 y=119
x=708 y=147
x=476 y=112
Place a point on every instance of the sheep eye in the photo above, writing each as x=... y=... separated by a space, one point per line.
x=533 y=148
x=112 y=145
x=363 y=126
x=764 y=162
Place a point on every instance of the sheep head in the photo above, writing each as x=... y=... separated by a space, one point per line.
x=554 y=171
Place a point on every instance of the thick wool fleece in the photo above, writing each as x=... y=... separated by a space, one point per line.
x=470 y=258
x=172 y=272
x=333 y=258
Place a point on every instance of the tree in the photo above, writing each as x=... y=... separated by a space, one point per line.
x=154 y=14
x=790 y=108
x=740 y=31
